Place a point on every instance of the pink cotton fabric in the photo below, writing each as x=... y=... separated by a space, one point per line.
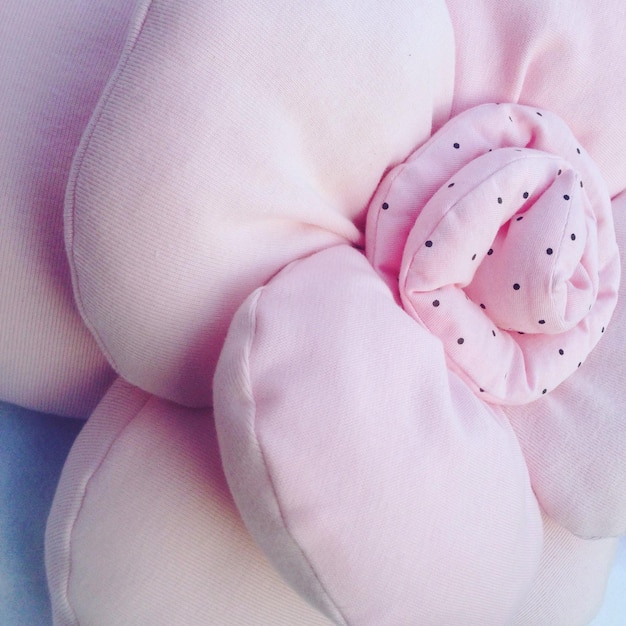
x=498 y=236
x=223 y=149
x=143 y=529
x=564 y=55
x=55 y=59
x=380 y=486
x=228 y=145
x=143 y=498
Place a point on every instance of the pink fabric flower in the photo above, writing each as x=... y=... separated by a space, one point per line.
x=497 y=236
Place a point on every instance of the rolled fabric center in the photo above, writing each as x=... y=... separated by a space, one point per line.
x=499 y=234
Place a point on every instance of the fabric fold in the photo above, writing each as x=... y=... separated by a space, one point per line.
x=497 y=236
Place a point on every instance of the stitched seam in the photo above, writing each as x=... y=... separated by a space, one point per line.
x=82 y=502
x=495 y=172
x=71 y=201
x=390 y=187
x=267 y=469
x=552 y=279
x=77 y=166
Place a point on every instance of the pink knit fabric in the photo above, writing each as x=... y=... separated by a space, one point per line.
x=493 y=272
x=498 y=236
x=223 y=185
x=376 y=482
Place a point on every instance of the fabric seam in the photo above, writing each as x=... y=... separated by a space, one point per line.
x=267 y=468
x=76 y=170
x=84 y=496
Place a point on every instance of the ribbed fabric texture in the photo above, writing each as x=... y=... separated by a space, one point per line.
x=234 y=140
x=54 y=62
x=565 y=56
x=570 y=586
x=143 y=529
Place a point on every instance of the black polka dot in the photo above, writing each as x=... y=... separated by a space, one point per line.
x=545 y=391
x=482 y=306
x=481 y=390
x=549 y=251
x=603 y=329
x=572 y=237
x=436 y=303
x=525 y=194
x=457 y=146
x=565 y=197
x=580 y=364
x=581 y=183
x=519 y=332
x=385 y=206
x=499 y=200
x=493 y=332
x=561 y=352
x=474 y=258
x=429 y=244
x=490 y=251
x=542 y=321
x=558 y=173
x=539 y=114
x=450 y=185
x=460 y=341
x=520 y=218
x=516 y=286
x=578 y=150
x=510 y=118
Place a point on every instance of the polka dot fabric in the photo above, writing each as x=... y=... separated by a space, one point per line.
x=497 y=236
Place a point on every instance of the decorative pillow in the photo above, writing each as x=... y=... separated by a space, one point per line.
x=231 y=143
x=497 y=236
x=574 y=439
x=567 y=57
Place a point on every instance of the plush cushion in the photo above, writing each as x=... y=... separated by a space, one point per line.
x=55 y=58
x=144 y=516
x=261 y=397
x=569 y=58
x=233 y=140
x=143 y=529
x=488 y=236
x=574 y=439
